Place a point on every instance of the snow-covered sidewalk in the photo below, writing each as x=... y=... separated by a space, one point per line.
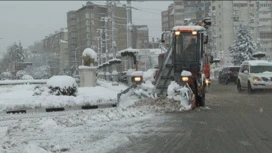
x=22 y=96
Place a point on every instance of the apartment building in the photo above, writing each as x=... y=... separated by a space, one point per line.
x=84 y=26
x=55 y=47
x=180 y=11
x=140 y=36
x=226 y=16
x=265 y=26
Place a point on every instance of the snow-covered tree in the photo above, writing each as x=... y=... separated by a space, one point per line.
x=16 y=53
x=20 y=73
x=243 y=45
x=5 y=76
x=41 y=72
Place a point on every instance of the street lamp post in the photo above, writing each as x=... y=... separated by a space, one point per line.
x=76 y=57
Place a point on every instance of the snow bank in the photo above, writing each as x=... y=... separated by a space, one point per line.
x=179 y=93
x=106 y=93
x=90 y=52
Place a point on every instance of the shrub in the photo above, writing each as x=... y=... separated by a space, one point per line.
x=62 y=85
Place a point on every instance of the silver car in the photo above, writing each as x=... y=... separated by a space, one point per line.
x=255 y=74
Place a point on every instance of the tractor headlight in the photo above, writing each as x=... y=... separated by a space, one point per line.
x=177 y=33
x=184 y=78
x=137 y=79
x=255 y=79
x=194 y=32
x=207 y=81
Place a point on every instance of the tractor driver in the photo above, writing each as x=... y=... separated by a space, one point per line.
x=190 y=49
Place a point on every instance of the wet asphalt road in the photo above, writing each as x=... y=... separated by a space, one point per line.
x=235 y=123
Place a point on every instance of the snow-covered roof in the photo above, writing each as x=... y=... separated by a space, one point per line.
x=90 y=52
x=87 y=67
x=63 y=41
x=114 y=60
x=257 y=62
x=106 y=63
x=129 y=50
x=197 y=28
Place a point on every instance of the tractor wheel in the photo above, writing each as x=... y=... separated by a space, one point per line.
x=249 y=88
x=239 y=87
x=201 y=100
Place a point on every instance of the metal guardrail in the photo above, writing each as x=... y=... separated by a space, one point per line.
x=57 y=109
x=17 y=82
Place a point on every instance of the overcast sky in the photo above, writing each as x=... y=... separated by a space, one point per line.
x=29 y=21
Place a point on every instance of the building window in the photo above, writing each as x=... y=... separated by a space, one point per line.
x=87 y=22
x=87 y=15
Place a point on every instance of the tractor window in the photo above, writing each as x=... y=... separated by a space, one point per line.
x=186 y=47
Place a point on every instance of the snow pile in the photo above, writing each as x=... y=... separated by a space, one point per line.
x=90 y=52
x=129 y=72
x=179 y=93
x=149 y=75
x=115 y=72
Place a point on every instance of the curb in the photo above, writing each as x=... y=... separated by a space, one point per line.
x=58 y=109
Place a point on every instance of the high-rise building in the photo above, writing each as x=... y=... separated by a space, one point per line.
x=180 y=11
x=140 y=36
x=55 y=47
x=265 y=26
x=84 y=25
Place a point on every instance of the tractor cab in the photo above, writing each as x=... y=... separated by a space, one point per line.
x=188 y=50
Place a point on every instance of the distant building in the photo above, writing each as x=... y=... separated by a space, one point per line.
x=84 y=25
x=55 y=46
x=180 y=11
x=226 y=16
x=265 y=26
x=140 y=38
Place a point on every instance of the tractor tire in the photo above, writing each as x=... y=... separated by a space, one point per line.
x=249 y=88
x=239 y=87
x=201 y=100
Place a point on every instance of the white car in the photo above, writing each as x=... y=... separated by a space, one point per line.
x=255 y=74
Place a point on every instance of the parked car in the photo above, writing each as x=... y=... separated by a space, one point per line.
x=228 y=74
x=255 y=74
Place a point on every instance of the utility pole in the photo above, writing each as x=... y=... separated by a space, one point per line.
x=129 y=22
x=257 y=24
x=105 y=31
x=113 y=35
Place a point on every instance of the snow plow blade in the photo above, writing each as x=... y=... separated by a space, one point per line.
x=124 y=92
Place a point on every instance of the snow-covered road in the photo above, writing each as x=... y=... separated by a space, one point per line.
x=77 y=131
x=83 y=131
